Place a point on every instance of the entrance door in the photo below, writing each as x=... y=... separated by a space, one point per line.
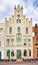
x=18 y=54
x=8 y=54
x=0 y=55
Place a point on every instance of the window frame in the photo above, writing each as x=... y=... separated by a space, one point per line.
x=10 y=30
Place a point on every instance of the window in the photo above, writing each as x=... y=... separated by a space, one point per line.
x=18 y=37
x=26 y=30
x=29 y=41
x=18 y=15
x=12 y=40
x=18 y=20
x=18 y=54
x=18 y=29
x=0 y=43
x=12 y=53
x=29 y=52
x=25 y=52
x=25 y=41
x=10 y=30
x=8 y=41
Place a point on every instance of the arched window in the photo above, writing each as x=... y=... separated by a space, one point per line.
x=25 y=52
x=12 y=53
x=18 y=37
x=29 y=52
x=25 y=41
x=18 y=29
x=19 y=54
x=18 y=20
x=8 y=41
x=26 y=30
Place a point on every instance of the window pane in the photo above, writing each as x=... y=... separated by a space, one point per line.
x=18 y=20
x=8 y=41
x=29 y=52
x=19 y=54
x=25 y=41
x=10 y=30
x=18 y=37
x=12 y=53
x=18 y=29
x=26 y=30
x=25 y=52
x=18 y=15
x=12 y=40
x=29 y=41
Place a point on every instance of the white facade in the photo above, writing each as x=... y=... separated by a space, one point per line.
x=18 y=35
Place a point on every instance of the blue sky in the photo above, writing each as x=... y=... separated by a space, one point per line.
x=30 y=9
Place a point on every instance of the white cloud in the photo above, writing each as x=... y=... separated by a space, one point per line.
x=29 y=9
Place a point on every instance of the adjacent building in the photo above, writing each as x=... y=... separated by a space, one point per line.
x=2 y=31
x=18 y=36
x=35 y=42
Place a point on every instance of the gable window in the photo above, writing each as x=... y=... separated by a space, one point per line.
x=18 y=15
x=18 y=29
x=10 y=30
x=18 y=20
x=26 y=30
x=25 y=52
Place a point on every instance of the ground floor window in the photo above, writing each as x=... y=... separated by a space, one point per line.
x=12 y=53
x=25 y=52
x=18 y=54
x=29 y=52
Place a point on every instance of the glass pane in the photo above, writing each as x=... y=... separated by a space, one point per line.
x=25 y=52
x=26 y=30
x=12 y=53
x=10 y=30
x=18 y=54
